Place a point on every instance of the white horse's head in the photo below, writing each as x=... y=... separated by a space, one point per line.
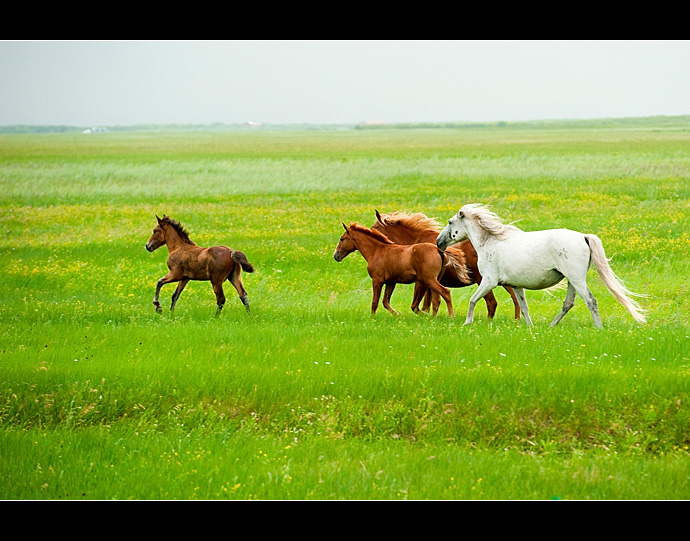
x=473 y=219
x=454 y=232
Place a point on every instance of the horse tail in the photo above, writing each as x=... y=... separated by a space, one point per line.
x=456 y=260
x=611 y=281
x=241 y=259
x=443 y=263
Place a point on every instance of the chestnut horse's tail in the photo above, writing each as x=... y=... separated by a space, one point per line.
x=443 y=264
x=454 y=258
x=239 y=257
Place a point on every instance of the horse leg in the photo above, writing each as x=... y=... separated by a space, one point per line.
x=516 y=304
x=236 y=281
x=177 y=293
x=590 y=301
x=420 y=292
x=167 y=279
x=435 y=302
x=567 y=304
x=491 y=304
x=376 y=287
x=387 y=298
x=483 y=288
x=444 y=292
x=427 y=301
x=220 y=296
x=522 y=301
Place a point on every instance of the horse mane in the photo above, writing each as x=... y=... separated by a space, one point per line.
x=416 y=221
x=376 y=235
x=487 y=220
x=177 y=226
x=422 y=223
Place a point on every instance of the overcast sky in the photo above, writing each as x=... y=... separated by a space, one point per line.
x=121 y=83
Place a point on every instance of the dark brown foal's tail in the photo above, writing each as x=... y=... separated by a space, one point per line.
x=239 y=257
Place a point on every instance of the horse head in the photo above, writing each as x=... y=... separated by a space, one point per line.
x=454 y=232
x=157 y=239
x=345 y=246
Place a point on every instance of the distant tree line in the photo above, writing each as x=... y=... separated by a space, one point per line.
x=21 y=128
x=429 y=125
x=660 y=121
x=216 y=126
x=682 y=121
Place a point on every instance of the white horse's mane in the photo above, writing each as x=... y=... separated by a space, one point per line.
x=487 y=220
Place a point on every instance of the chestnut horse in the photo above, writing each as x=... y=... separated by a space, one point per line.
x=187 y=261
x=413 y=228
x=391 y=264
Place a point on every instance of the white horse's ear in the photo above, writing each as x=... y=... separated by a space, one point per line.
x=461 y=214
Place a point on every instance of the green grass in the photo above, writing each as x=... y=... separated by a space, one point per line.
x=308 y=396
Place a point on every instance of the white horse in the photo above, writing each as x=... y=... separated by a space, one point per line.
x=523 y=260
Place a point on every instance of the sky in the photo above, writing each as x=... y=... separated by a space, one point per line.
x=124 y=83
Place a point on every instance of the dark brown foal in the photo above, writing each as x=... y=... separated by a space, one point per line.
x=187 y=261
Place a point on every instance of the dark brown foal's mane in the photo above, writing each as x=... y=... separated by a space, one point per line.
x=177 y=226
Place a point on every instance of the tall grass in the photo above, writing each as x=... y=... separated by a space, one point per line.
x=308 y=396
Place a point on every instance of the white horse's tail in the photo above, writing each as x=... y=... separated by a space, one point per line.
x=612 y=282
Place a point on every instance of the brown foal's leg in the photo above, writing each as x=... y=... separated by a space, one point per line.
x=177 y=293
x=236 y=281
x=167 y=279
x=220 y=296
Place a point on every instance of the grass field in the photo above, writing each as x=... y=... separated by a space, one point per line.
x=309 y=397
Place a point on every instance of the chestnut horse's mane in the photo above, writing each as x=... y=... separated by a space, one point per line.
x=377 y=235
x=177 y=226
x=416 y=221
x=423 y=224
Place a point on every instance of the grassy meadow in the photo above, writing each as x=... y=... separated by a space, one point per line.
x=308 y=396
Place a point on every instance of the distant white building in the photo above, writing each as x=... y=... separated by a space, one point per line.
x=372 y=123
x=252 y=124
x=96 y=130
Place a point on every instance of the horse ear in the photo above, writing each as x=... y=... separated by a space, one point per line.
x=157 y=218
x=344 y=225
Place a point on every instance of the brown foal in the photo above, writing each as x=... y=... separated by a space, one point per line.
x=187 y=261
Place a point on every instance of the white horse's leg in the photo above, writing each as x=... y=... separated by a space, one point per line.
x=522 y=301
x=590 y=301
x=484 y=287
x=567 y=304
